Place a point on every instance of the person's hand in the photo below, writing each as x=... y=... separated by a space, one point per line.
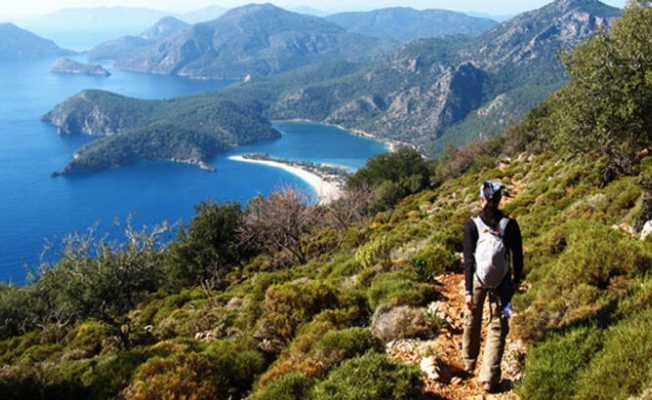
x=468 y=301
x=517 y=287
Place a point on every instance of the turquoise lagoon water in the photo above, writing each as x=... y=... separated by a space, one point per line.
x=36 y=208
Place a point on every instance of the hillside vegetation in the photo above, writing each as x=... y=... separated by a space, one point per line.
x=281 y=299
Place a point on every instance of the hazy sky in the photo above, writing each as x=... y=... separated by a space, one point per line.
x=495 y=7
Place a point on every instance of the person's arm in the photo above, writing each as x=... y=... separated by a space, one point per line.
x=470 y=240
x=513 y=232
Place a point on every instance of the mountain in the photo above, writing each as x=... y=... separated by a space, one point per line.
x=18 y=43
x=132 y=130
x=434 y=91
x=92 y=25
x=428 y=93
x=128 y=46
x=405 y=24
x=205 y=14
x=253 y=40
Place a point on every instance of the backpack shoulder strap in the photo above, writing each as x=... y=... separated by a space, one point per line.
x=479 y=223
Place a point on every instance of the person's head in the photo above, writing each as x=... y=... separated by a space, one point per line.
x=490 y=194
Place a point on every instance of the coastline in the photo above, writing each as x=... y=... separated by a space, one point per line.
x=326 y=190
x=391 y=145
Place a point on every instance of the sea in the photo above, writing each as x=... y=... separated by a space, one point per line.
x=37 y=211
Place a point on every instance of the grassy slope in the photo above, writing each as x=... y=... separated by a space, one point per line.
x=587 y=314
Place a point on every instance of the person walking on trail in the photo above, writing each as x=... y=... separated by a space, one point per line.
x=491 y=240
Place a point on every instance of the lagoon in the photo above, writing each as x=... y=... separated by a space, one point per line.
x=37 y=208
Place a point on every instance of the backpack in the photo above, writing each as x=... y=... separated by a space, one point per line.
x=491 y=255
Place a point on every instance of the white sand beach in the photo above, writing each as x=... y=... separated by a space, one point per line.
x=327 y=191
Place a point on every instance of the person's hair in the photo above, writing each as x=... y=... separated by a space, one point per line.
x=490 y=212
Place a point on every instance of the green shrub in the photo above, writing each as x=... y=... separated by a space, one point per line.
x=235 y=364
x=336 y=346
x=111 y=374
x=181 y=375
x=553 y=365
x=288 y=306
x=88 y=336
x=585 y=280
x=374 y=252
x=434 y=260
x=400 y=289
x=291 y=386
x=371 y=377
x=41 y=352
x=342 y=266
x=622 y=368
x=13 y=348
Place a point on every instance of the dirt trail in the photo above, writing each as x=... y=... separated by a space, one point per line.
x=447 y=378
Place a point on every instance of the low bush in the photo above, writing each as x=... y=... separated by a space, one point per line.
x=435 y=260
x=553 y=365
x=181 y=375
x=622 y=368
x=286 y=307
x=291 y=386
x=400 y=288
x=336 y=346
x=371 y=376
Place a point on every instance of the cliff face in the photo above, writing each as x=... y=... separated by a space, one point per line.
x=98 y=113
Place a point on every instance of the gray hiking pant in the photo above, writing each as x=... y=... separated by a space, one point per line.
x=497 y=330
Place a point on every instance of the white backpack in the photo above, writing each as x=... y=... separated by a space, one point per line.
x=491 y=255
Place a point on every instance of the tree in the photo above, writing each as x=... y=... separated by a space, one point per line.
x=353 y=206
x=278 y=222
x=104 y=280
x=606 y=104
x=393 y=176
x=209 y=247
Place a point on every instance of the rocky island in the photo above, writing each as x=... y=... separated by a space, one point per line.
x=65 y=65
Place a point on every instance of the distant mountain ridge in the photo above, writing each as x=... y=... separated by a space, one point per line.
x=405 y=24
x=127 y=46
x=18 y=43
x=254 y=39
x=428 y=93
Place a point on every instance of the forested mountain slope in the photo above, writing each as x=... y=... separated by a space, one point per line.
x=405 y=24
x=279 y=298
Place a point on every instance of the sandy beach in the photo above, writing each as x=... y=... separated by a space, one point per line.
x=327 y=191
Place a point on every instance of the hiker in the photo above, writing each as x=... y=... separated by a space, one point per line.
x=491 y=239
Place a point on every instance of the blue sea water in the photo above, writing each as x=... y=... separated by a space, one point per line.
x=36 y=208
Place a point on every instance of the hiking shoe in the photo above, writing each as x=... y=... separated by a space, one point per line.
x=469 y=366
x=490 y=387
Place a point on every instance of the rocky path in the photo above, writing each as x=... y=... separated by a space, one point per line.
x=441 y=357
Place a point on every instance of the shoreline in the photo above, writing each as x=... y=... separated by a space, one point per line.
x=327 y=191
x=391 y=145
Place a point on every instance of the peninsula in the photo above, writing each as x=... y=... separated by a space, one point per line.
x=327 y=181
x=67 y=66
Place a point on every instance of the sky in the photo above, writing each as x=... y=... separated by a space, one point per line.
x=494 y=7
